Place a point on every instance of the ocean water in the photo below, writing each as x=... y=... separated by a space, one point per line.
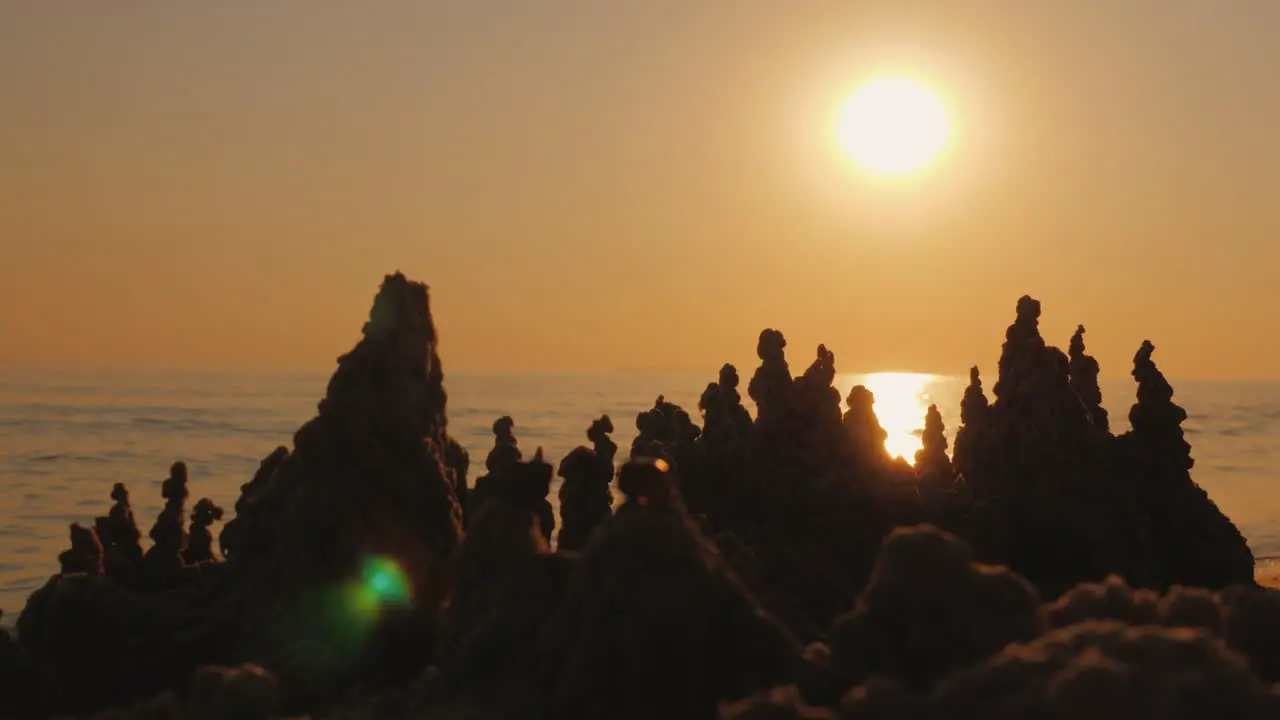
x=64 y=439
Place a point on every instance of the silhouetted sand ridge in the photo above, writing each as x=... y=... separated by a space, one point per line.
x=777 y=566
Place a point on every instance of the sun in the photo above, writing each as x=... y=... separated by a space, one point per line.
x=892 y=126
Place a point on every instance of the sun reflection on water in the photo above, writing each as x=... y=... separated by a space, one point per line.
x=902 y=399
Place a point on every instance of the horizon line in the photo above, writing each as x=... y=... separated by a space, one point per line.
x=988 y=378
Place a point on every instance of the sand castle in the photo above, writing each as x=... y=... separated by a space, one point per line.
x=776 y=566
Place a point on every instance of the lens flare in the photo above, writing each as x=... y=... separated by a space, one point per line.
x=385 y=582
x=323 y=632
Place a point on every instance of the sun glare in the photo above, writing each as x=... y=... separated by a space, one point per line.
x=892 y=126
x=901 y=400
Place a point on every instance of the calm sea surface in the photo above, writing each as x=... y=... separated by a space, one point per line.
x=64 y=439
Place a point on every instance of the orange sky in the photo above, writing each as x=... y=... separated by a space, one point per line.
x=633 y=185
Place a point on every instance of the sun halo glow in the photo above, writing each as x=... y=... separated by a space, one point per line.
x=892 y=126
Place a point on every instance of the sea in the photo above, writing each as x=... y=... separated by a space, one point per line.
x=66 y=437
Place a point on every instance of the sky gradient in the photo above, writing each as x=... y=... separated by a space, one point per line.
x=634 y=185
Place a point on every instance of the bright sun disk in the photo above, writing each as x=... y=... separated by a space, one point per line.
x=892 y=126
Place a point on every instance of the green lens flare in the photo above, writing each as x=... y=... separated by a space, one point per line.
x=385 y=582
x=325 y=631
